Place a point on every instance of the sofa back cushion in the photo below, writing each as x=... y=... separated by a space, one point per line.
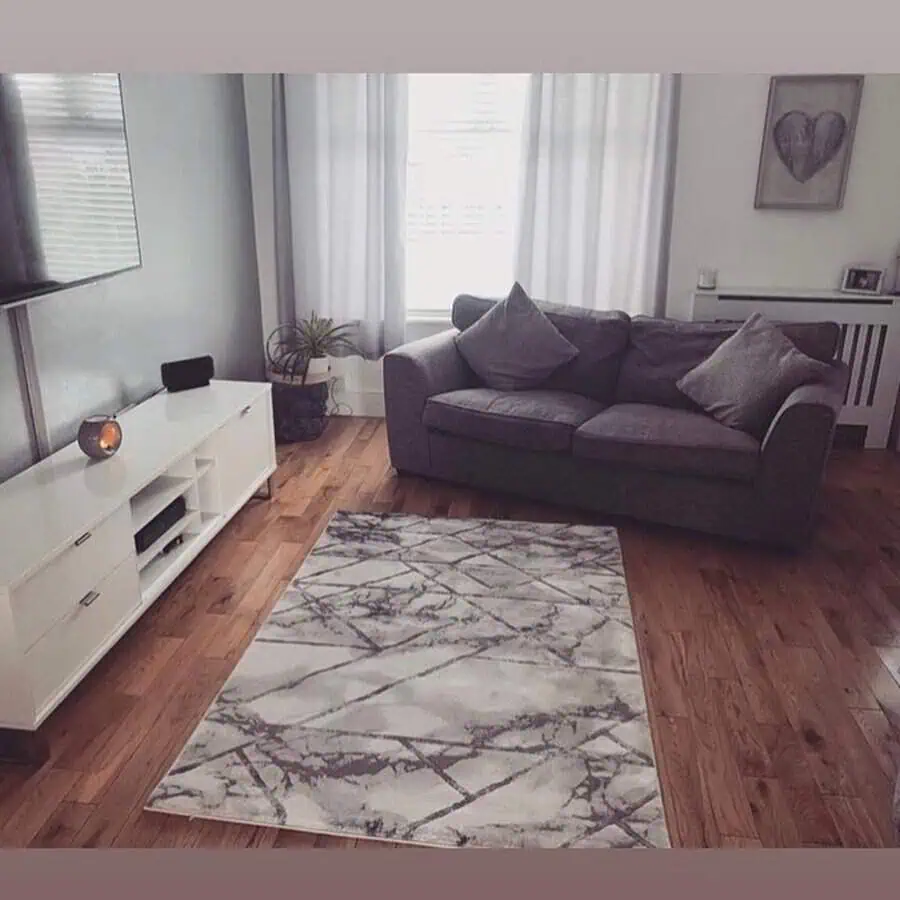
x=600 y=337
x=662 y=351
x=514 y=346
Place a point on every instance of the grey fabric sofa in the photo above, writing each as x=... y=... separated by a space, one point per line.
x=611 y=432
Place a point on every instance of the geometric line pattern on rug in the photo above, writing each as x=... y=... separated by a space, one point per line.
x=451 y=682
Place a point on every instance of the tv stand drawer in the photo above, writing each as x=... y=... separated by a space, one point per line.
x=51 y=593
x=73 y=642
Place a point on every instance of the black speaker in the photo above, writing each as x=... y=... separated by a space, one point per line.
x=184 y=374
x=160 y=524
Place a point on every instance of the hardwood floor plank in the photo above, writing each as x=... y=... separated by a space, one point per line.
x=169 y=700
x=790 y=765
x=724 y=798
x=33 y=804
x=743 y=731
x=230 y=836
x=734 y=622
x=883 y=740
x=148 y=666
x=60 y=829
x=741 y=843
x=772 y=814
x=141 y=829
x=105 y=712
x=853 y=822
x=299 y=840
x=662 y=656
x=690 y=822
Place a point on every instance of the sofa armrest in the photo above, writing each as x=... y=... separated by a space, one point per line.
x=795 y=451
x=413 y=373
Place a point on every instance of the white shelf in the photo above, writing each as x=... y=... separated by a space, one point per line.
x=163 y=570
x=154 y=498
x=203 y=467
x=795 y=294
x=185 y=522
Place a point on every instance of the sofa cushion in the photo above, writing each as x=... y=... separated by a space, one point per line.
x=662 y=351
x=601 y=339
x=514 y=346
x=532 y=420
x=750 y=375
x=667 y=440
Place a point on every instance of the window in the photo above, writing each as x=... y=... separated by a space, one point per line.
x=76 y=140
x=465 y=135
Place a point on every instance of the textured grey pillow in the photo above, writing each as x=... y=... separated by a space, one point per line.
x=745 y=380
x=514 y=346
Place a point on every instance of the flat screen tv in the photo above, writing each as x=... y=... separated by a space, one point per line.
x=67 y=213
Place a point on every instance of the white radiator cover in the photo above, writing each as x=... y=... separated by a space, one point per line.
x=869 y=342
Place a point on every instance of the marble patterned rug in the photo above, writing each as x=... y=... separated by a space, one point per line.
x=450 y=682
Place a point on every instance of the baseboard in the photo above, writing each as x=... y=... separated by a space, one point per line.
x=360 y=403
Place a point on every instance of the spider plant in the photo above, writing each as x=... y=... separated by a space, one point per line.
x=290 y=348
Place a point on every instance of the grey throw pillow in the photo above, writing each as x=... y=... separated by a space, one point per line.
x=514 y=346
x=745 y=380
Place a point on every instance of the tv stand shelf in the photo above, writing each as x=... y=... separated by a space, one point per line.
x=186 y=523
x=154 y=498
x=71 y=580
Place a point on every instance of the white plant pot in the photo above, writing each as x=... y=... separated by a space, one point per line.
x=318 y=370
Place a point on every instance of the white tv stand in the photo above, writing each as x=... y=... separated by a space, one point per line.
x=71 y=580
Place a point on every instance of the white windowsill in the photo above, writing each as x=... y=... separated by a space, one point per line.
x=424 y=318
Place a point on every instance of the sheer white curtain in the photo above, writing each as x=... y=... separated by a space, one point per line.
x=594 y=190
x=340 y=170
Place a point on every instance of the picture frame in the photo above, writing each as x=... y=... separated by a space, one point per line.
x=807 y=141
x=862 y=280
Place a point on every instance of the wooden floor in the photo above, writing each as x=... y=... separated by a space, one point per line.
x=772 y=680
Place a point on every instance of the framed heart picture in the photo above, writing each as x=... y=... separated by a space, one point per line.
x=807 y=141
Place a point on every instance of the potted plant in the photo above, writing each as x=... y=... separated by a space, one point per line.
x=297 y=357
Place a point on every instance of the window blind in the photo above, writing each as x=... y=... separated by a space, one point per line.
x=76 y=138
x=465 y=135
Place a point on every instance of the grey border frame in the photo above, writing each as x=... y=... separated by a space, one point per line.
x=774 y=82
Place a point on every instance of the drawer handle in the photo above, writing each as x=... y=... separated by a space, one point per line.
x=88 y=598
x=82 y=539
x=245 y=410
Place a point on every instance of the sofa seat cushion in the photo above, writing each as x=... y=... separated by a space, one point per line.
x=667 y=440
x=531 y=420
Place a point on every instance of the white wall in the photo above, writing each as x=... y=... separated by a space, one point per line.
x=99 y=347
x=714 y=223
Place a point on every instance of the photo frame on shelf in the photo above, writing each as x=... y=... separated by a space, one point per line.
x=862 y=280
